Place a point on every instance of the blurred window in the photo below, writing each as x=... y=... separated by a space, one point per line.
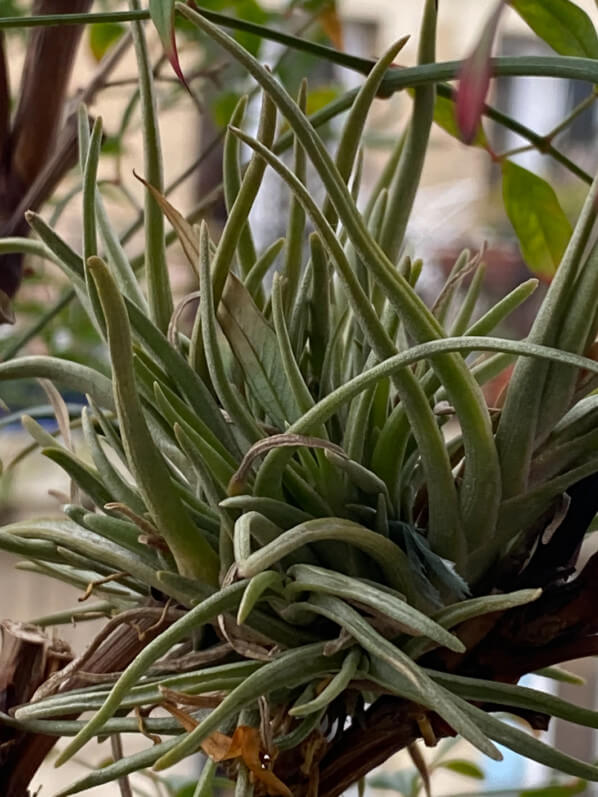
x=537 y=103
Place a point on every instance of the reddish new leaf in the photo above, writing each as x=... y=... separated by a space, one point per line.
x=474 y=80
x=162 y=15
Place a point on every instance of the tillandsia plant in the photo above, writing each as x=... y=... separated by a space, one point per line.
x=300 y=565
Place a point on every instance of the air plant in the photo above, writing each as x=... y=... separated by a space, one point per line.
x=320 y=574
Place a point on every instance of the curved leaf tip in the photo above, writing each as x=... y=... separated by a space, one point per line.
x=162 y=15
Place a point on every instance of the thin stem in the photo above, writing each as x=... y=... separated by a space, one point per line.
x=515 y=151
x=345 y=102
x=188 y=172
x=17 y=344
x=395 y=81
x=571 y=116
x=534 y=138
x=117 y=755
x=156 y=270
x=568 y=67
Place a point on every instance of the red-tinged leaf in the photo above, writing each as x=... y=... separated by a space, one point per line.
x=474 y=79
x=538 y=219
x=162 y=15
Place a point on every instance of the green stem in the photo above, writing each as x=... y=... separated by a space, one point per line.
x=577 y=111
x=406 y=181
x=539 y=142
x=568 y=67
x=397 y=79
x=515 y=151
x=156 y=270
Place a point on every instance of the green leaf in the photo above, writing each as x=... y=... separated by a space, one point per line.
x=479 y=496
x=185 y=232
x=85 y=477
x=65 y=534
x=251 y=11
x=103 y=36
x=561 y=674
x=444 y=117
x=578 y=786
x=192 y=553
x=410 y=620
x=223 y=106
x=254 y=591
x=156 y=269
x=254 y=344
x=113 y=480
x=291 y=668
x=226 y=599
x=563 y=25
x=66 y=373
x=231 y=401
x=539 y=221
x=336 y=687
x=527 y=745
x=387 y=555
x=394 y=670
x=465 y=768
x=400 y=782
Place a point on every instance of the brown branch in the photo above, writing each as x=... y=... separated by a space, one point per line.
x=560 y=626
x=36 y=152
x=28 y=658
x=117 y=648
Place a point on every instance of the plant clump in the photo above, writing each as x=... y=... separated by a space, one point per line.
x=317 y=572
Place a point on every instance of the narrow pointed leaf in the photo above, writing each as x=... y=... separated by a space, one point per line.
x=224 y=600
x=254 y=343
x=474 y=79
x=184 y=230
x=293 y=667
x=193 y=554
x=162 y=15
x=414 y=622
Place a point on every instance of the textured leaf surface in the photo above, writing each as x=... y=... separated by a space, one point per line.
x=193 y=555
x=254 y=343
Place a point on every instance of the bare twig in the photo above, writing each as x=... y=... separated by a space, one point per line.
x=117 y=754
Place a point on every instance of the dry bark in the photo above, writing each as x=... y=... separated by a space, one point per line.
x=29 y=660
